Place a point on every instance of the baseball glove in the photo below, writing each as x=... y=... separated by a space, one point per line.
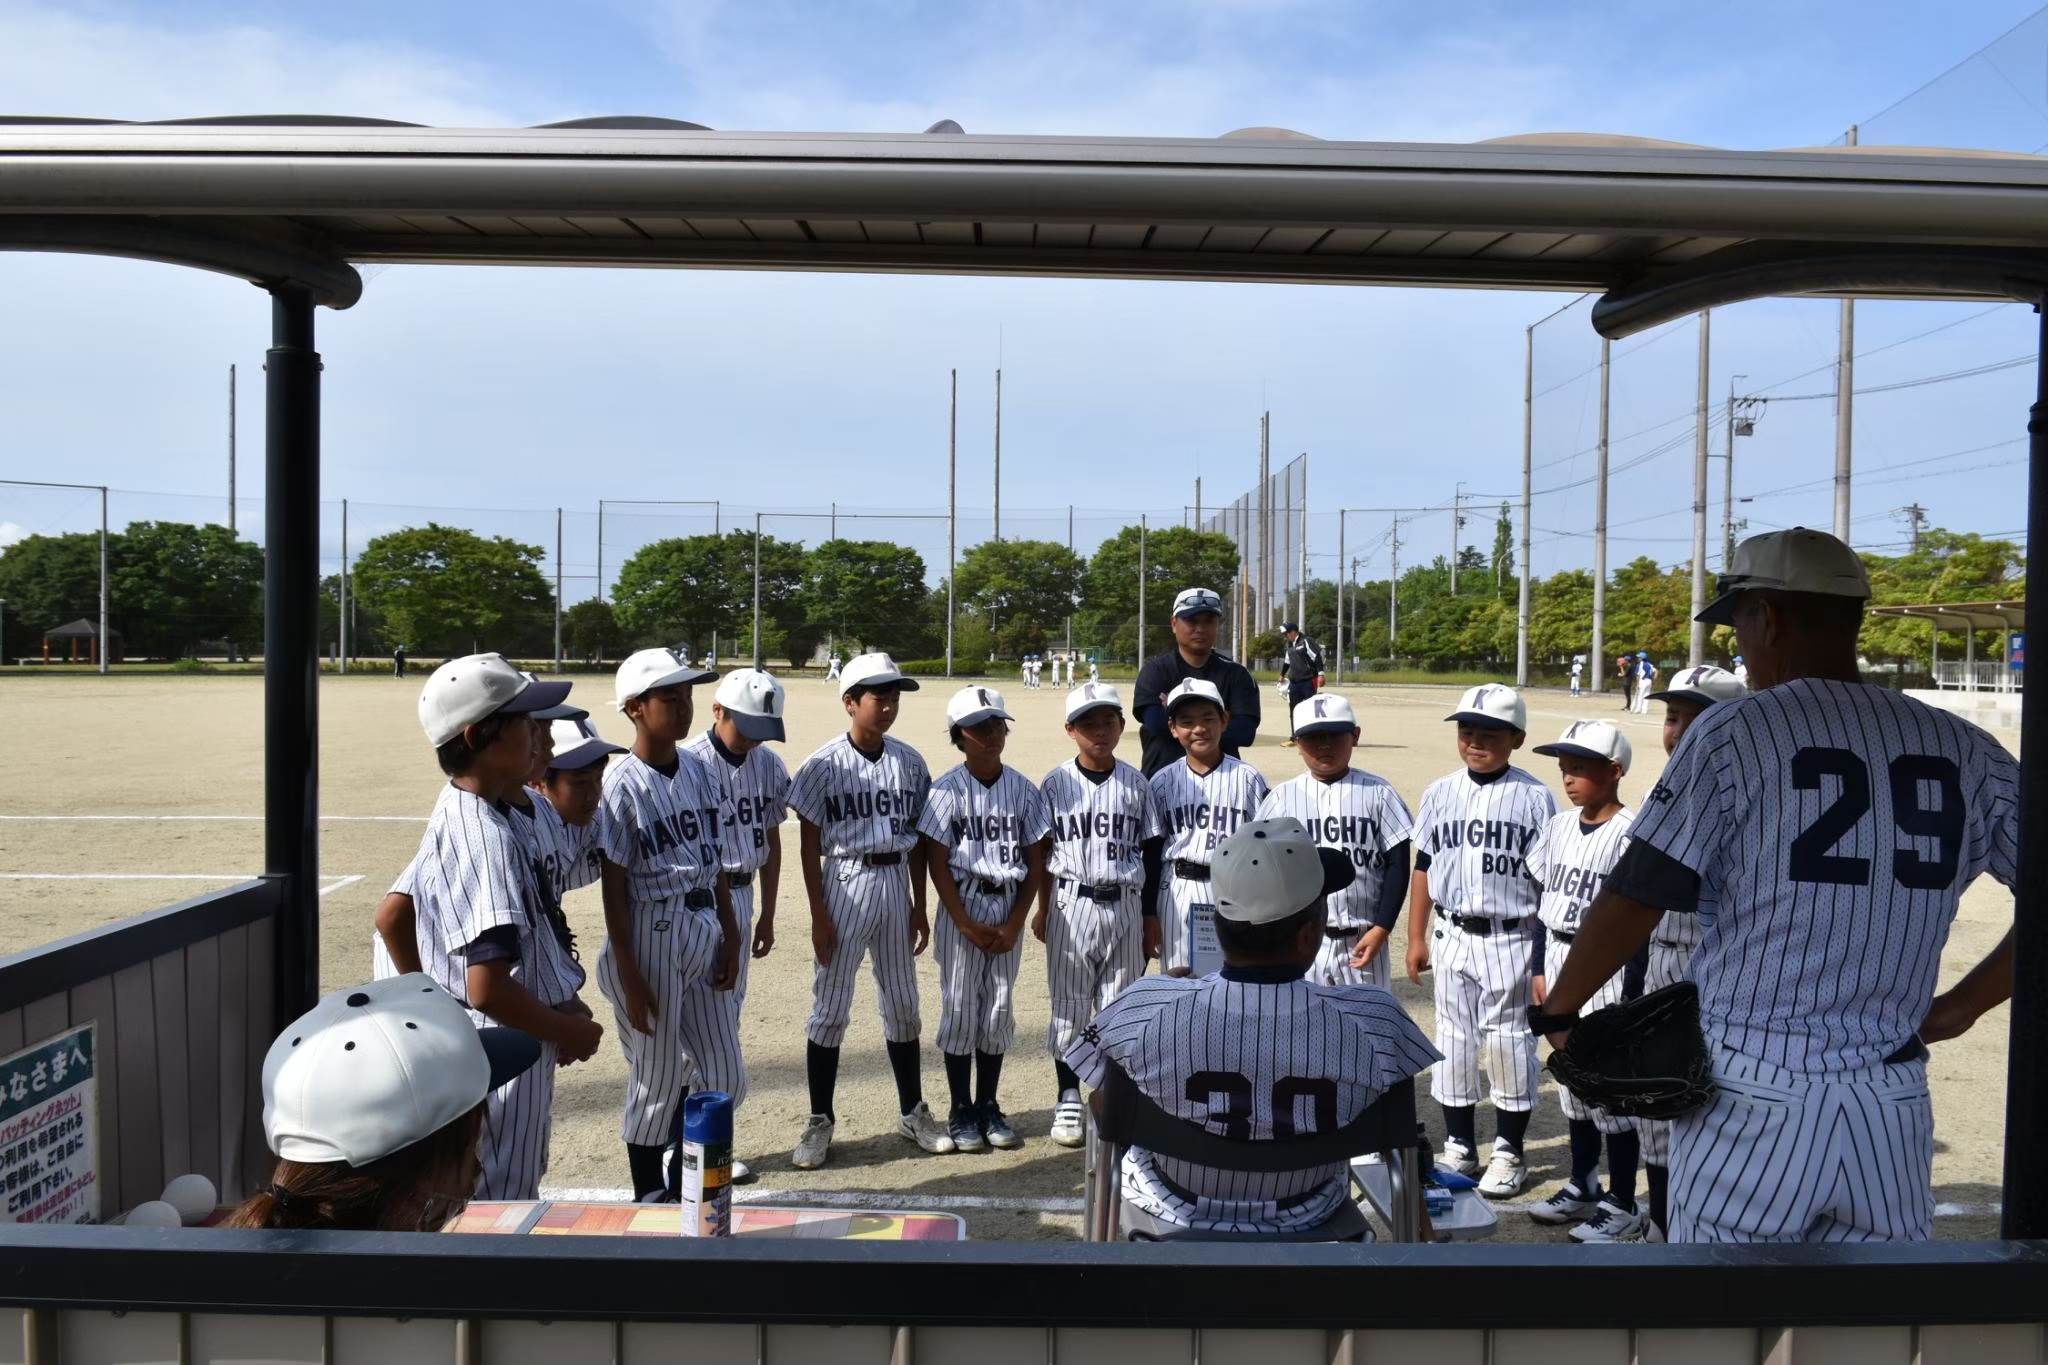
x=1644 y=1058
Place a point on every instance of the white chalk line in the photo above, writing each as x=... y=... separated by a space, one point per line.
x=334 y=882
x=241 y=819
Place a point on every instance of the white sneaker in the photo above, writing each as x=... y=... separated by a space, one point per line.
x=922 y=1127
x=1069 y=1123
x=1568 y=1205
x=1504 y=1173
x=742 y=1173
x=1611 y=1223
x=814 y=1144
x=1458 y=1157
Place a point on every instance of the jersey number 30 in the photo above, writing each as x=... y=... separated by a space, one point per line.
x=1234 y=1088
x=1810 y=860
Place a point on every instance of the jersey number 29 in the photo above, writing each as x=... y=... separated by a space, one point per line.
x=1810 y=860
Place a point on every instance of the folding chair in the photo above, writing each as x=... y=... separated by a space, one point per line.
x=1125 y=1117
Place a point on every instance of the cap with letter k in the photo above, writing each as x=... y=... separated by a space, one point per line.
x=1321 y=713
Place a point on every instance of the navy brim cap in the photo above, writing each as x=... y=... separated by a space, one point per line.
x=1324 y=727
x=1573 y=751
x=1338 y=871
x=562 y=712
x=1682 y=694
x=1720 y=611
x=756 y=727
x=510 y=1053
x=537 y=696
x=585 y=754
x=1480 y=720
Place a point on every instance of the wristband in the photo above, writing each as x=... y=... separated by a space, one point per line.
x=1541 y=1023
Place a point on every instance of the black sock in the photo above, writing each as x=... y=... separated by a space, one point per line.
x=1069 y=1083
x=1660 y=1181
x=959 y=1077
x=643 y=1159
x=1513 y=1126
x=1461 y=1124
x=1624 y=1151
x=906 y=1061
x=1585 y=1135
x=988 y=1072
x=821 y=1066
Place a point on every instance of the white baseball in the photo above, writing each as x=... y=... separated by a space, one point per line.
x=193 y=1196
x=155 y=1214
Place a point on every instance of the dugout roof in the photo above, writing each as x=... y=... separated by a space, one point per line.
x=1963 y=615
x=1660 y=228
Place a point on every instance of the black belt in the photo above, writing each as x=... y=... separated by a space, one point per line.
x=1480 y=924
x=700 y=899
x=993 y=888
x=737 y=879
x=1561 y=936
x=1190 y=872
x=1107 y=895
x=889 y=859
x=1346 y=932
x=1912 y=1050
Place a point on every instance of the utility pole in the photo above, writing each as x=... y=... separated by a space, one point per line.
x=558 y=591
x=1599 y=659
x=1340 y=595
x=231 y=450
x=757 y=590
x=1528 y=456
x=1301 y=587
x=1070 y=614
x=952 y=515
x=999 y=455
x=1354 y=602
x=1698 y=652
x=1393 y=587
x=1141 y=589
x=105 y=649
x=1457 y=524
x=341 y=587
x=1738 y=425
x=1916 y=519
x=1262 y=613
x=1845 y=403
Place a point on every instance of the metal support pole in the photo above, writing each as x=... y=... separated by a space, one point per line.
x=2024 y=1203
x=1141 y=589
x=998 y=531
x=952 y=514
x=1070 y=615
x=757 y=589
x=1457 y=524
x=600 y=549
x=341 y=586
x=1845 y=404
x=1528 y=455
x=1340 y=596
x=104 y=651
x=1599 y=660
x=1393 y=587
x=1728 y=486
x=835 y=521
x=558 y=590
x=231 y=448
x=1698 y=652
x=291 y=648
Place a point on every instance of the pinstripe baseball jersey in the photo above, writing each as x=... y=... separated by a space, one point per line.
x=474 y=875
x=1201 y=810
x=757 y=788
x=1099 y=829
x=1571 y=861
x=1834 y=826
x=664 y=829
x=1251 y=1054
x=985 y=828
x=861 y=804
x=1358 y=815
x=1477 y=833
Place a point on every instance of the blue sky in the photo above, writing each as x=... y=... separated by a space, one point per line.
x=481 y=389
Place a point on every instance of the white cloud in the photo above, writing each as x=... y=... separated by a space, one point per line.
x=11 y=534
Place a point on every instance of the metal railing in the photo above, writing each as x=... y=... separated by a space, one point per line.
x=1964 y=676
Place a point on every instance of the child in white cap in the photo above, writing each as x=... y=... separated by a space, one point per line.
x=1203 y=796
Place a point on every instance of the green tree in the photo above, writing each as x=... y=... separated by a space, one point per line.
x=1561 y=617
x=1946 y=567
x=1175 y=558
x=1028 y=586
x=686 y=588
x=180 y=584
x=1650 y=608
x=594 y=631
x=872 y=591
x=445 y=590
x=49 y=581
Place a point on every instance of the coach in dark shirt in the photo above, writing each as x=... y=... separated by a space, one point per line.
x=1197 y=613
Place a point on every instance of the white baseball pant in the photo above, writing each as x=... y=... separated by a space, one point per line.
x=1093 y=950
x=977 y=1011
x=1482 y=1008
x=518 y=1117
x=870 y=909
x=1332 y=966
x=1780 y=1156
x=1668 y=962
x=676 y=949
x=1554 y=954
x=1176 y=919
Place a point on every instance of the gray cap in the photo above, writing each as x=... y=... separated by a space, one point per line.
x=1798 y=560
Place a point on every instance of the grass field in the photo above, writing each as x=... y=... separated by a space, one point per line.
x=148 y=789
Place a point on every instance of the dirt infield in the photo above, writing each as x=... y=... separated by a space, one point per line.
x=149 y=789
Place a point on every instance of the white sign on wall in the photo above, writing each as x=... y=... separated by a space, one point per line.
x=49 y=1148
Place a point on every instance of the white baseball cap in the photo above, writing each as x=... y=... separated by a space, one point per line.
x=971 y=706
x=578 y=744
x=371 y=1070
x=1798 y=560
x=1492 y=706
x=1271 y=869
x=1323 y=711
x=1196 y=601
x=873 y=670
x=1092 y=697
x=1591 y=739
x=754 y=700
x=646 y=669
x=1194 y=689
x=1706 y=685
x=463 y=691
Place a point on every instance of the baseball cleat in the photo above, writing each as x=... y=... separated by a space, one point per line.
x=964 y=1127
x=1504 y=1173
x=1458 y=1157
x=1611 y=1223
x=922 y=1127
x=814 y=1144
x=742 y=1173
x=1569 y=1205
x=1069 y=1123
x=997 y=1127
